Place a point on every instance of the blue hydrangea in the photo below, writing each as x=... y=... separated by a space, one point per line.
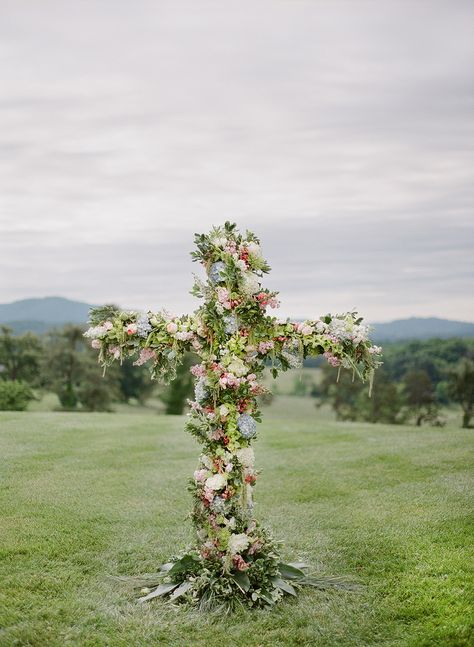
x=246 y=425
x=231 y=324
x=201 y=391
x=143 y=325
x=216 y=272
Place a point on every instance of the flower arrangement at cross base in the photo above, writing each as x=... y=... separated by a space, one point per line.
x=234 y=559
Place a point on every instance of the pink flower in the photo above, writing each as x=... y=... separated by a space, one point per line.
x=115 y=351
x=198 y=370
x=239 y=563
x=108 y=325
x=145 y=355
x=265 y=346
x=332 y=359
x=172 y=327
x=200 y=475
x=95 y=343
x=131 y=329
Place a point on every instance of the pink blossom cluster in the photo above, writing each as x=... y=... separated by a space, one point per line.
x=115 y=351
x=265 y=346
x=223 y=296
x=145 y=355
x=198 y=370
x=264 y=299
x=240 y=563
x=200 y=475
x=332 y=359
x=303 y=328
x=229 y=380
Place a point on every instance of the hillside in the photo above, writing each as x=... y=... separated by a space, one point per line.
x=39 y=315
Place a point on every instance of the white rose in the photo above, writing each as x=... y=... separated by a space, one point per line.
x=246 y=456
x=216 y=482
x=238 y=543
x=241 y=265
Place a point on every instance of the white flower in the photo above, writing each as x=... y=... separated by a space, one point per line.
x=321 y=326
x=216 y=482
x=220 y=241
x=246 y=456
x=223 y=410
x=250 y=283
x=237 y=367
x=238 y=543
x=254 y=249
x=206 y=461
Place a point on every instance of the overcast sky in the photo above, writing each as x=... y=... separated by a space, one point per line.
x=342 y=133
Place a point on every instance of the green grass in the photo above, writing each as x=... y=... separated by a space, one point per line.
x=87 y=496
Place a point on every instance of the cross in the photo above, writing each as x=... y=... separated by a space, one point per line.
x=233 y=558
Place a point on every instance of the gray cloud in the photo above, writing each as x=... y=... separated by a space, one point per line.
x=341 y=132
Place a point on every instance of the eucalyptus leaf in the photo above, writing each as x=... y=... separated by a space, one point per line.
x=162 y=589
x=242 y=581
x=186 y=564
x=181 y=590
x=289 y=572
x=284 y=586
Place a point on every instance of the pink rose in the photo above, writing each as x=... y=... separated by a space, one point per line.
x=95 y=343
x=171 y=327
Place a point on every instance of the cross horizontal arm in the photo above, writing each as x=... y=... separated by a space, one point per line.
x=159 y=338
x=341 y=339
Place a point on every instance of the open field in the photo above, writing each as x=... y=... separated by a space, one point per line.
x=85 y=496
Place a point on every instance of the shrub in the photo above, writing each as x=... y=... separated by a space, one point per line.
x=14 y=396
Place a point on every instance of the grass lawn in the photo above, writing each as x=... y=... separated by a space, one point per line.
x=86 y=496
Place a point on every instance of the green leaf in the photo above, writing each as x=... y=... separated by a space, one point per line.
x=284 y=586
x=242 y=581
x=181 y=590
x=289 y=572
x=162 y=589
x=268 y=599
x=186 y=564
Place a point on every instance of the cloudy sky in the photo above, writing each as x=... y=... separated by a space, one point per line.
x=342 y=133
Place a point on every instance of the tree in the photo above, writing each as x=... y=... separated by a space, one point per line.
x=14 y=395
x=461 y=388
x=385 y=404
x=70 y=371
x=134 y=382
x=175 y=394
x=420 y=397
x=341 y=391
x=351 y=401
x=20 y=356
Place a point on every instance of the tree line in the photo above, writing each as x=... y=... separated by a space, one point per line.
x=416 y=381
x=62 y=362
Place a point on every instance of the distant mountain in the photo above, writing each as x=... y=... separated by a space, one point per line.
x=421 y=328
x=39 y=315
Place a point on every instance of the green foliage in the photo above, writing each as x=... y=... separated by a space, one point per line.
x=20 y=356
x=461 y=388
x=420 y=397
x=134 y=382
x=175 y=394
x=70 y=370
x=14 y=395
